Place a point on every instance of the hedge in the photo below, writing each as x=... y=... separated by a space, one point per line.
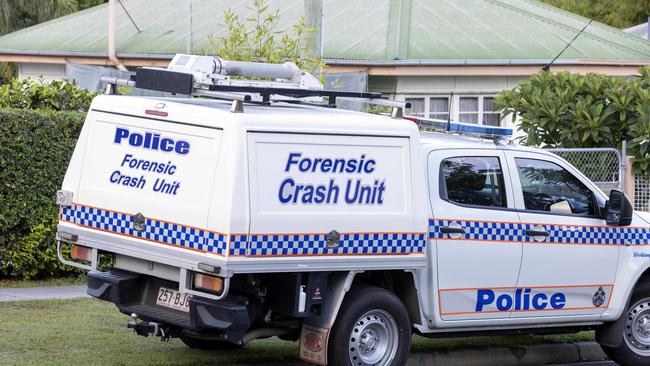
x=35 y=148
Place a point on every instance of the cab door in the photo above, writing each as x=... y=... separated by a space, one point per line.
x=474 y=227
x=569 y=259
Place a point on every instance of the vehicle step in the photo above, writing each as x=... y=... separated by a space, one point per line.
x=157 y=314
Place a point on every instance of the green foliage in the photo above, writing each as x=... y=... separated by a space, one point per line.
x=19 y=14
x=377 y=109
x=54 y=95
x=258 y=39
x=35 y=147
x=619 y=14
x=572 y=111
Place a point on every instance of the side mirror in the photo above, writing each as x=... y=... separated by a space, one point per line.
x=619 y=209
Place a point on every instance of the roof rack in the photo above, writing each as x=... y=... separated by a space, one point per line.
x=211 y=76
x=469 y=129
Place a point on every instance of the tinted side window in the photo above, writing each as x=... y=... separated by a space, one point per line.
x=474 y=180
x=545 y=184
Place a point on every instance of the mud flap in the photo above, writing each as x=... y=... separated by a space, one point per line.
x=314 y=335
x=313 y=344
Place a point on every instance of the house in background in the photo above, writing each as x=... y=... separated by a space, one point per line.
x=421 y=51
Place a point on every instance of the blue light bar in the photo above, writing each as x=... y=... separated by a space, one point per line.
x=487 y=132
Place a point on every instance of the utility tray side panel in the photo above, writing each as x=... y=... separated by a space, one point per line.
x=148 y=179
x=319 y=195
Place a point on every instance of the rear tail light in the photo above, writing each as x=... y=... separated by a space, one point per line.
x=81 y=253
x=210 y=283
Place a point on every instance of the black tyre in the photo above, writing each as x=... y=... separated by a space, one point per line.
x=634 y=350
x=208 y=344
x=372 y=328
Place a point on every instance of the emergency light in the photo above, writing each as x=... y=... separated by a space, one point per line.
x=486 y=132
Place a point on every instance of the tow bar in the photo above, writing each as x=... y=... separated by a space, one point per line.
x=146 y=328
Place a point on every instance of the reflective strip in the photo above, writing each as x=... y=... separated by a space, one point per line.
x=264 y=245
x=558 y=234
x=316 y=244
x=154 y=230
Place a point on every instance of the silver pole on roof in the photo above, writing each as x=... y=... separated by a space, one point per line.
x=287 y=70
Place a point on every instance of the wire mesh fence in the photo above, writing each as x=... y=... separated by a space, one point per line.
x=601 y=165
x=642 y=192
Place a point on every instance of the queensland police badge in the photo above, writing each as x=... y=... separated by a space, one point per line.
x=599 y=297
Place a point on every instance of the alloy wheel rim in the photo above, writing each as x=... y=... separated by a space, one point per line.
x=637 y=328
x=373 y=339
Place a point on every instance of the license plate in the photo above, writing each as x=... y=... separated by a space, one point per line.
x=173 y=299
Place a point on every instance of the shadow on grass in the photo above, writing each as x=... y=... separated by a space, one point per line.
x=89 y=331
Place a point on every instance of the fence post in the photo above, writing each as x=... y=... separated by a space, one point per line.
x=629 y=178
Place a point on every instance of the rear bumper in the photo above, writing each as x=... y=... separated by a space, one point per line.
x=136 y=293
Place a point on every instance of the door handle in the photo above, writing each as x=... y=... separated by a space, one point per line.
x=452 y=230
x=536 y=232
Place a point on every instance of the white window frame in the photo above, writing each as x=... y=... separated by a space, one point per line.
x=455 y=107
x=427 y=103
x=481 y=112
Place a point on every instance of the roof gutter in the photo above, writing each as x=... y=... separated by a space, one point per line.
x=461 y=62
x=112 y=55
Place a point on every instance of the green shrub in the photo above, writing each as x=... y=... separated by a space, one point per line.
x=35 y=148
x=39 y=94
x=578 y=111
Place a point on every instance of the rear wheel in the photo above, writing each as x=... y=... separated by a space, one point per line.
x=372 y=328
x=634 y=349
x=208 y=344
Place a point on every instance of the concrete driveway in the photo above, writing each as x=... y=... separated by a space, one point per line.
x=41 y=293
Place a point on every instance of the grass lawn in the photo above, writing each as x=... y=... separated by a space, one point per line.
x=71 y=281
x=93 y=332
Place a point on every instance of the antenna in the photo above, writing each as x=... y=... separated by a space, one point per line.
x=130 y=17
x=547 y=67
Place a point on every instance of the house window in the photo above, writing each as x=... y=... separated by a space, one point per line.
x=418 y=107
x=439 y=108
x=429 y=107
x=491 y=116
x=468 y=111
x=478 y=109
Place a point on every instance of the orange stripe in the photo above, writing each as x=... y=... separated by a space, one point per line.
x=521 y=287
x=343 y=233
x=151 y=218
x=544 y=223
x=535 y=243
x=521 y=311
x=322 y=255
x=151 y=240
x=238 y=234
x=610 y=296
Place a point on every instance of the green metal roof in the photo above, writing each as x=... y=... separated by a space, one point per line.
x=378 y=31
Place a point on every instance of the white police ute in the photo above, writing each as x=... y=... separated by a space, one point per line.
x=253 y=208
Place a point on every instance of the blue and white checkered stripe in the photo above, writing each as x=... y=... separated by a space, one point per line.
x=316 y=244
x=558 y=234
x=479 y=230
x=155 y=230
x=238 y=243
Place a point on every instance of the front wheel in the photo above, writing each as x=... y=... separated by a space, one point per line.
x=372 y=328
x=635 y=348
